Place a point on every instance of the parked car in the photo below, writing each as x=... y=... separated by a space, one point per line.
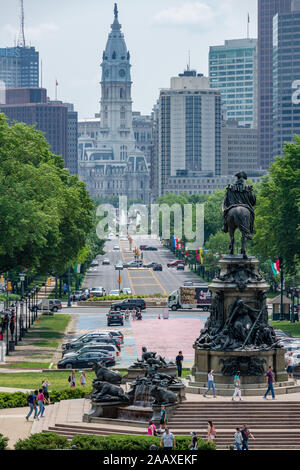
x=105 y=261
x=90 y=347
x=97 y=292
x=174 y=264
x=126 y=291
x=180 y=267
x=85 y=293
x=102 y=339
x=114 y=292
x=116 y=334
x=94 y=263
x=84 y=360
x=115 y=318
x=52 y=305
x=143 y=247
x=110 y=348
x=129 y=304
x=157 y=267
x=151 y=248
x=76 y=295
x=150 y=265
x=84 y=339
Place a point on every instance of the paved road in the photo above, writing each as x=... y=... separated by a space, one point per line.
x=140 y=280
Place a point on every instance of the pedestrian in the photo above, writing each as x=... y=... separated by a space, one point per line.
x=237 y=386
x=163 y=417
x=211 y=432
x=83 y=379
x=168 y=440
x=211 y=384
x=238 y=439
x=32 y=402
x=290 y=365
x=179 y=360
x=270 y=383
x=41 y=400
x=246 y=434
x=194 y=441
x=133 y=314
x=45 y=385
x=152 y=429
x=72 y=379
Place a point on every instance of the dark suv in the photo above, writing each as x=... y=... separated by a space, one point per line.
x=115 y=318
x=129 y=304
x=97 y=338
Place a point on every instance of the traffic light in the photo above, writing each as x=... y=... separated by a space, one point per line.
x=9 y=287
x=2 y=278
x=49 y=281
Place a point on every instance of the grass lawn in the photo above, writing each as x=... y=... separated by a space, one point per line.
x=26 y=365
x=48 y=329
x=32 y=380
x=291 y=328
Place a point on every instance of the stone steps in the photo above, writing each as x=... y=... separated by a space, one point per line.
x=255 y=392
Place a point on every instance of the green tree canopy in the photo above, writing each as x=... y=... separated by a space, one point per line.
x=45 y=212
x=277 y=221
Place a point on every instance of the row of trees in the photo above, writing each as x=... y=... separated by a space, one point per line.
x=47 y=216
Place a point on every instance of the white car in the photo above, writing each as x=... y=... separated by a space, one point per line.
x=116 y=247
x=114 y=292
x=105 y=261
x=126 y=291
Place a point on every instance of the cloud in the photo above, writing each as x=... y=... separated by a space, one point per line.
x=34 y=33
x=188 y=14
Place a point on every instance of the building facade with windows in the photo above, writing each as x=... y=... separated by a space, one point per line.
x=187 y=130
x=19 y=67
x=267 y=9
x=286 y=77
x=110 y=163
x=233 y=71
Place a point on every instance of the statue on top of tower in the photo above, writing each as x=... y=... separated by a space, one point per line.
x=116 y=10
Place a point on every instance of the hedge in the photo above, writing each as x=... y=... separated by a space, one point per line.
x=3 y=442
x=131 y=442
x=19 y=399
x=43 y=441
x=51 y=440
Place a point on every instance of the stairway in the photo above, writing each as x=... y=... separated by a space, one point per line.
x=275 y=425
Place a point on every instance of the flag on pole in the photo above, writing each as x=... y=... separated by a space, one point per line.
x=275 y=267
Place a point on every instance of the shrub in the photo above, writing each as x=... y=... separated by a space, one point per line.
x=19 y=399
x=3 y=442
x=132 y=442
x=43 y=441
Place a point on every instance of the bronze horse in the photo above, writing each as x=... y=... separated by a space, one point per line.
x=239 y=218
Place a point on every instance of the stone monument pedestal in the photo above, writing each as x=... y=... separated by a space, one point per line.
x=237 y=335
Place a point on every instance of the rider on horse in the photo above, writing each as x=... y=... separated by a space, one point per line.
x=239 y=194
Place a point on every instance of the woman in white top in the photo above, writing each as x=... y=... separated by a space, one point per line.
x=211 y=384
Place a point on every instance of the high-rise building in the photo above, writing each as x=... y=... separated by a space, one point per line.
x=19 y=67
x=72 y=139
x=111 y=164
x=286 y=77
x=189 y=129
x=30 y=105
x=233 y=71
x=142 y=128
x=267 y=9
x=239 y=149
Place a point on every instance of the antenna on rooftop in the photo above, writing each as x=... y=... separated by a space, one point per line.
x=21 y=39
x=189 y=60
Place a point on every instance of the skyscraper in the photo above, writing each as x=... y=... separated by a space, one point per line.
x=189 y=130
x=233 y=71
x=286 y=76
x=267 y=9
x=19 y=67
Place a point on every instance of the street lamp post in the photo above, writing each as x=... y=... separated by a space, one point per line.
x=69 y=283
x=21 y=319
x=281 y=289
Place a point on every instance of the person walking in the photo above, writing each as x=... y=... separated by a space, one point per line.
x=163 y=417
x=168 y=440
x=237 y=386
x=238 y=439
x=32 y=402
x=179 y=361
x=72 y=379
x=83 y=379
x=211 y=432
x=45 y=385
x=270 y=383
x=290 y=365
x=211 y=384
x=133 y=314
x=41 y=399
x=246 y=434
x=194 y=441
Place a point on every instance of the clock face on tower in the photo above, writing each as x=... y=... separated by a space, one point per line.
x=122 y=73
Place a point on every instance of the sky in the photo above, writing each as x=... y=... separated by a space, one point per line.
x=71 y=35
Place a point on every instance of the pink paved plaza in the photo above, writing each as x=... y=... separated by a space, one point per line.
x=167 y=337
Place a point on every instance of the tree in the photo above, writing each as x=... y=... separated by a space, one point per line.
x=278 y=210
x=45 y=213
